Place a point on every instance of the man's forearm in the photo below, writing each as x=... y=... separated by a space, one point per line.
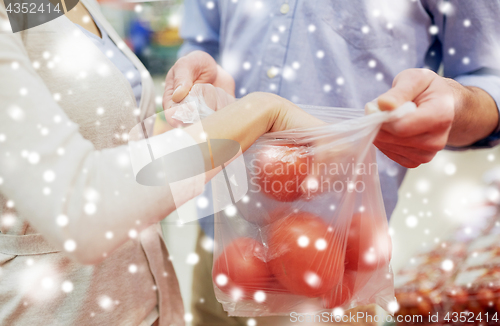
x=476 y=116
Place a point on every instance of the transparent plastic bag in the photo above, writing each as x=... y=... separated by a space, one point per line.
x=311 y=233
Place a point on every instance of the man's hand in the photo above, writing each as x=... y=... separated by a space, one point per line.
x=447 y=113
x=197 y=67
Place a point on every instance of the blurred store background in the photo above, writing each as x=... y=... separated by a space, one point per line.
x=150 y=29
x=456 y=192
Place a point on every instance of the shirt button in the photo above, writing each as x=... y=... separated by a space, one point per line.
x=284 y=8
x=272 y=72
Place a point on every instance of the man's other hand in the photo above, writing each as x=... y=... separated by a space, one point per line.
x=417 y=137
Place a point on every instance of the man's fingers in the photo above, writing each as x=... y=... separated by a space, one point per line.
x=401 y=160
x=184 y=77
x=169 y=90
x=430 y=141
x=409 y=154
x=406 y=87
x=431 y=116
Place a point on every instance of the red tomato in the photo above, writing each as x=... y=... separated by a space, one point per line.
x=281 y=171
x=240 y=270
x=305 y=254
x=475 y=307
x=460 y=297
x=424 y=306
x=368 y=244
x=342 y=293
x=486 y=297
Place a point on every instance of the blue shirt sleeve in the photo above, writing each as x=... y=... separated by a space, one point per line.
x=200 y=27
x=469 y=33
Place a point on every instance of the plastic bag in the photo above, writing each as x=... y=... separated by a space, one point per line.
x=311 y=233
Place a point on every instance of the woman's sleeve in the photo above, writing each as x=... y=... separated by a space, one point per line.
x=82 y=200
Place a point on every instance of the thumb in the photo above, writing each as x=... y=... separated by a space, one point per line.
x=407 y=85
x=183 y=81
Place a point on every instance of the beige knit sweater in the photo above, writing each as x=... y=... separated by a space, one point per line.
x=71 y=247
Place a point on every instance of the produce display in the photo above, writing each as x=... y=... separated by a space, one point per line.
x=476 y=287
x=419 y=285
x=458 y=280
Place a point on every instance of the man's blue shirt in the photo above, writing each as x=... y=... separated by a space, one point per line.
x=344 y=53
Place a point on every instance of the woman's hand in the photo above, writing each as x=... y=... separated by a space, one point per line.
x=250 y=117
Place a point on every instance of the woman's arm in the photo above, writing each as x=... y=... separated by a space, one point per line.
x=95 y=189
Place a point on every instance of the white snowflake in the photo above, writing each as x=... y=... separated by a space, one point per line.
x=188 y=317
x=192 y=258
x=433 y=30
x=90 y=208
x=230 y=210
x=259 y=296
x=210 y=5
x=320 y=244
x=312 y=279
x=303 y=241
x=447 y=265
x=70 y=245
x=49 y=176
x=132 y=268
x=67 y=287
x=62 y=220
x=251 y=322
x=221 y=279
x=105 y=302
x=411 y=221
x=33 y=158
x=132 y=234
x=16 y=113
x=450 y=169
